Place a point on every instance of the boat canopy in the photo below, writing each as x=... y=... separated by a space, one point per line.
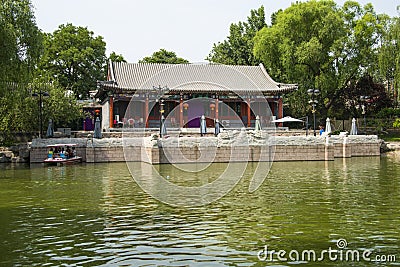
x=57 y=145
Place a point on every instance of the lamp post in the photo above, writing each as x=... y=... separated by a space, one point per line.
x=313 y=93
x=41 y=94
x=161 y=91
x=363 y=100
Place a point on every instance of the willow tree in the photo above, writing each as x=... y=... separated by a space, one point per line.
x=20 y=48
x=389 y=57
x=20 y=40
x=318 y=44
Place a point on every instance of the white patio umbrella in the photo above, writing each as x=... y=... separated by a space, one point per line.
x=203 y=127
x=163 y=127
x=287 y=119
x=353 y=130
x=328 y=128
x=258 y=124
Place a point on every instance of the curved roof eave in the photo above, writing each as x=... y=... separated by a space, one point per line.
x=221 y=78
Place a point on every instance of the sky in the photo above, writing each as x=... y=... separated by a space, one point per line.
x=137 y=28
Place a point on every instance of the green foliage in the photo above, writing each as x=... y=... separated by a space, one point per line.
x=61 y=106
x=388 y=113
x=19 y=110
x=75 y=58
x=319 y=45
x=396 y=123
x=71 y=58
x=20 y=40
x=389 y=55
x=13 y=107
x=114 y=57
x=164 y=56
x=350 y=100
x=238 y=48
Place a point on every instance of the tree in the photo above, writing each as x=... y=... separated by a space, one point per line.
x=20 y=48
x=238 y=48
x=164 y=56
x=350 y=101
x=114 y=57
x=389 y=57
x=22 y=113
x=319 y=45
x=75 y=58
x=20 y=40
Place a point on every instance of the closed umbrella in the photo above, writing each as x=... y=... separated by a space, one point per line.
x=328 y=128
x=258 y=124
x=353 y=130
x=97 y=129
x=163 y=127
x=50 y=130
x=217 y=129
x=203 y=127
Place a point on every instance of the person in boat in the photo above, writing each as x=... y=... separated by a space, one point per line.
x=62 y=153
x=73 y=152
x=55 y=152
x=68 y=153
x=50 y=153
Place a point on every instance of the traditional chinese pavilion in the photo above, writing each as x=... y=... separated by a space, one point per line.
x=233 y=94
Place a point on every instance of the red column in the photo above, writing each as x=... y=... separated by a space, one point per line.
x=111 y=101
x=248 y=113
x=280 y=110
x=146 y=112
x=216 y=108
x=181 y=113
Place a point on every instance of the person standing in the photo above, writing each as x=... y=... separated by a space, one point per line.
x=321 y=130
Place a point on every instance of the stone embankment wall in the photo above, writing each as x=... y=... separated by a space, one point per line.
x=393 y=149
x=15 y=154
x=227 y=147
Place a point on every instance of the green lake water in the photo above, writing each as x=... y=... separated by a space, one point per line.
x=97 y=215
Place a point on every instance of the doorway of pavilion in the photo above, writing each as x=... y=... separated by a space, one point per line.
x=194 y=113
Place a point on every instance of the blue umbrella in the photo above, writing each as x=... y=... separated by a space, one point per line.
x=97 y=129
x=203 y=127
x=50 y=130
x=217 y=129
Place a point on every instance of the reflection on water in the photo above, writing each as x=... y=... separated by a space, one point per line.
x=95 y=214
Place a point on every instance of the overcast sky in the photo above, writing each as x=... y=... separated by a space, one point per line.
x=136 y=28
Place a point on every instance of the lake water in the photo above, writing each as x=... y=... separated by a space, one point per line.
x=96 y=215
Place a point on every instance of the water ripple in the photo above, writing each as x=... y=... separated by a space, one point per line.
x=96 y=215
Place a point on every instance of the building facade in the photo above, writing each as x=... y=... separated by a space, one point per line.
x=137 y=94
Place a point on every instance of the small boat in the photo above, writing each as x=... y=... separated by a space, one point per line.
x=60 y=154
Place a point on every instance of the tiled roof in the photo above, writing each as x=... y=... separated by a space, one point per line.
x=194 y=78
